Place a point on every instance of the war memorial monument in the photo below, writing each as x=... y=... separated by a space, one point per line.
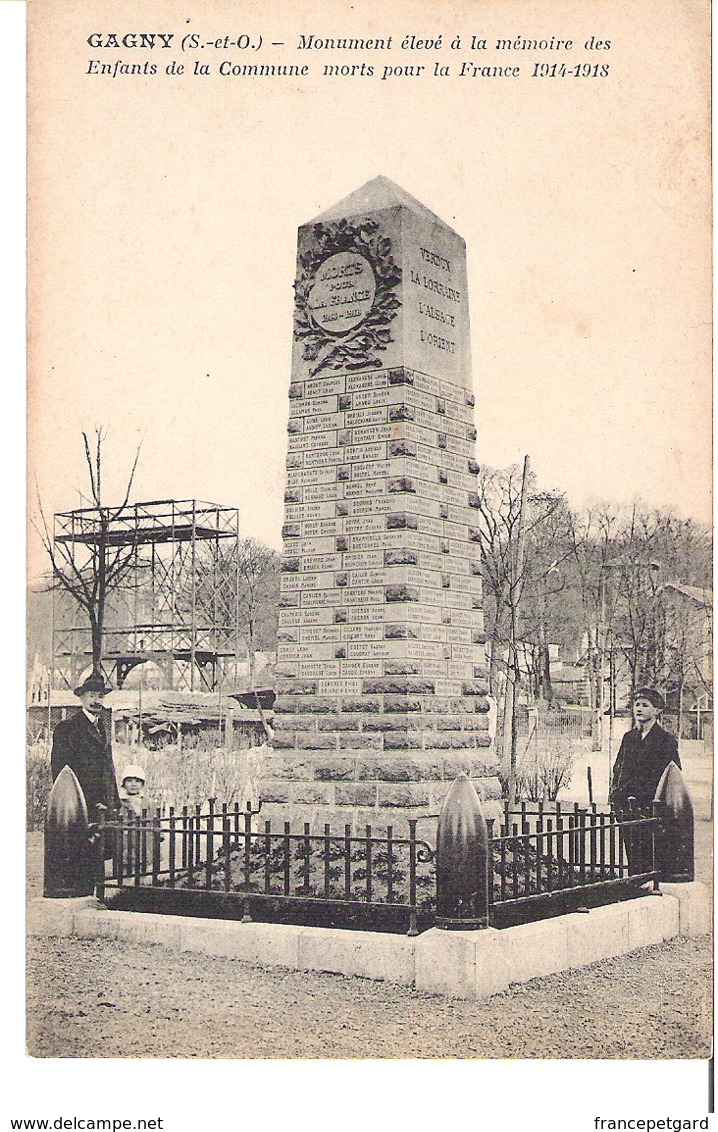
x=381 y=667
x=382 y=708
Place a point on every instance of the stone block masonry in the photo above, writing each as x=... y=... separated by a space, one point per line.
x=382 y=675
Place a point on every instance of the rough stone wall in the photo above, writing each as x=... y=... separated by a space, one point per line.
x=387 y=754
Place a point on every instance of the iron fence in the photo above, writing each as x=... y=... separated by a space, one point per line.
x=570 y=723
x=225 y=851
x=546 y=852
x=541 y=860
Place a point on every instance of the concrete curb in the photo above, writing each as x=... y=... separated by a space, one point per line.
x=470 y=965
x=695 y=907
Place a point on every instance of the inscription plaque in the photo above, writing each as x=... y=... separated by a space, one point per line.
x=299 y=512
x=313 y=633
x=305 y=652
x=365 y=490
x=301 y=407
x=429 y=385
x=363 y=381
x=305 y=617
x=316 y=671
x=448 y=688
x=323 y=527
x=324 y=387
x=360 y=527
x=365 y=435
x=369 y=471
x=305 y=546
x=340 y=687
x=298 y=477
x=364 y=595
x=319 y=598
x=320 y=492
x=324 y=422
x=362 y=560
x=362 y=668
x=362 y=632
x=361 y=417
x=291 y=582
x=369 y=614
x=312 y=441
x=343 y=292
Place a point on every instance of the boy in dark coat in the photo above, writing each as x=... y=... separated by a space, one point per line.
x=645 y=752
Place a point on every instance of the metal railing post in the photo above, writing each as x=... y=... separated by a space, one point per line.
x=413 y=928
x=246 y=915
x=101 y=815
x=655 y=823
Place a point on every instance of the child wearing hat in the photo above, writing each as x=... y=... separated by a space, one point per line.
x=137 y=843
x=133 y=789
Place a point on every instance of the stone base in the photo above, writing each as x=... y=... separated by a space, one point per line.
x=358 y=819
x=368 y=787
x=53 y=916
x=467 y=964
x=695 y=907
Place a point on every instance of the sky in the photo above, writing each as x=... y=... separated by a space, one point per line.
x=163 y=218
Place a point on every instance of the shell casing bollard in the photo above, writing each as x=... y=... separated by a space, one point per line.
x=674 y=841
x=69 y=857
x=462 y=877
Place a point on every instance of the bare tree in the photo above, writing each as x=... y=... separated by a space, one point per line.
x=519 y=552
x=689 y=644
x=636 y=573
x=257 y=597
x=499 y=504
x=594 y=534
x=622 y=562
x=86 y=564
x=243 y=594
x=548 y=609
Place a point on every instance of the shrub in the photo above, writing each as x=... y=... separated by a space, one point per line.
x=188 y=777
x=38 y=783
x=174 y=778
x=544 y=770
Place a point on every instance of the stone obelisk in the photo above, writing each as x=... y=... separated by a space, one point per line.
x=382 y=691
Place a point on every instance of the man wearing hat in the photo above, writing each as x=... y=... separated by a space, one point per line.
x=81 y=743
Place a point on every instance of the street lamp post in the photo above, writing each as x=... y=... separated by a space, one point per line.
x=600 y=650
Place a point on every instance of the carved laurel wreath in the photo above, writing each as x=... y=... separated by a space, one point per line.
x=356 y=348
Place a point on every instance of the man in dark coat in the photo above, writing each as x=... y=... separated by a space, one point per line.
x=81 y=743
x=645 y=752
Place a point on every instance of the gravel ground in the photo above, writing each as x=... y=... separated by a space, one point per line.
x=106 y=998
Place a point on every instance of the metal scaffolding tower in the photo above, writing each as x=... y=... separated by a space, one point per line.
x=177 y=604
